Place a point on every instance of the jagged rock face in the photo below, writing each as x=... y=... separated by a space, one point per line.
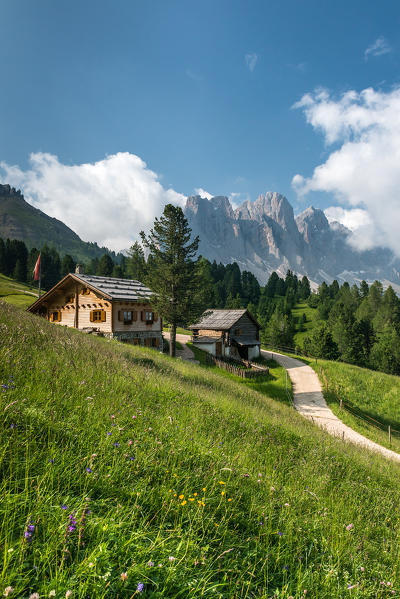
x=264 y=236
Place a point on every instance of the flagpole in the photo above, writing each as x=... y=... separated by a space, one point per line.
x=40 y=272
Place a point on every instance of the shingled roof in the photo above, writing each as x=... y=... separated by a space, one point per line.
x=116 y=289
x=221 y=320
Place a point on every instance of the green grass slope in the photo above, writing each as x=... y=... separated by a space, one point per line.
x=18 y=294
x=297 y=312
x=374 y=395
x=121 y=467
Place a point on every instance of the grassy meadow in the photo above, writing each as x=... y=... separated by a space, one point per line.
x=125 y=473
x=297 y=312
x=374 y=395
x=18 y=294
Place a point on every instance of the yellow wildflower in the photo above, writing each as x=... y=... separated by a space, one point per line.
x=203 y=504
x=215 y=524
x=195 y=494
x=230 y=499
x=181 y=496
x=204 y=489
x=191 y=498
x=222 y=493
x=221 y=482
x=184 y=502
x=199 y=502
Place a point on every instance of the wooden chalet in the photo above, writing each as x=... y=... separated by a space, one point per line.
x=115 y=308
x=228 y=333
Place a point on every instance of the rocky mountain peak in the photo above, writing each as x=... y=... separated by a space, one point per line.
x=271 y=204
x=311 y=222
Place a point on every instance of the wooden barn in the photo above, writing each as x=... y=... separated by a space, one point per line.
x=116 y=308
x=228 y=333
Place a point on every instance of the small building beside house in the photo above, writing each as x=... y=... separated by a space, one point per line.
x=115 y=308
x=228 y=333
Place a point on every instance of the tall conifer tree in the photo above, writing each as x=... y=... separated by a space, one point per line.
x=173 y=277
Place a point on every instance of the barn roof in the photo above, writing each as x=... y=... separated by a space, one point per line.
x=118 y=289
x=221 y=320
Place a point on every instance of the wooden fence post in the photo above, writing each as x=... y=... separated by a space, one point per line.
x=390 y=435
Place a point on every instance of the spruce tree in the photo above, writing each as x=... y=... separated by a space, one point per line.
x=173 y=277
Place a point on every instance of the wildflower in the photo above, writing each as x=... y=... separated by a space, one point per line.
x=204 y=489
x=140 y=587
x=287 y=504
x=195 y=494
x=64 y=507
x=191 y=498
x=280 y=534
x=68 y=594
x=184 y=502
x=259 y=480
x=221 y=482
x=112 y=416
x=89 y=470
x=362 y=569
x=150 y=564
x=108 y=434
x=171 y=558
x=133 y=417
x=8 y=591
x=130 y=442
x=124 y=576
x=246 y=475
x=181 y=496
x=286 y=568
x=72 y=523
x=116 y=444
x=51 y=460
x=230 y=499
x=349 y=526
x=52 y=593
x=34 y=596
x=222 y=493
x=272 y=488
x=351 y=586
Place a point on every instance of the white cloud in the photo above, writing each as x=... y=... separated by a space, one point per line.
x=251 y=60
x=363 y=172
x=203 y=193
x=379 y=47
x=352 y=219
x=237 y=198
x=109 y=201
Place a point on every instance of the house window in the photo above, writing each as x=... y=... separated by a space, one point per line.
x=97 y=316
x=148 y=317
x=55 y=316
x=155 y=342
x=70 y=299
x=127 y=316
x=85 y=291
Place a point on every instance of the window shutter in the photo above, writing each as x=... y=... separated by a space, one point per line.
x=134 y=315
x=155 y=317
x=119 y=315
x=157 y=342
x=103 y=316
x=91 y=315
x=143 y=313
x=59 y=316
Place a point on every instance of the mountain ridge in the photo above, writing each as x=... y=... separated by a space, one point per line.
x=20 y=220
x=264 y=236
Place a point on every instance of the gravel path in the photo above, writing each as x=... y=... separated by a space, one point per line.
x=185 y=353
x=309 y=401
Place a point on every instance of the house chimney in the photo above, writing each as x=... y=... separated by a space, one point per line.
x=79 y=269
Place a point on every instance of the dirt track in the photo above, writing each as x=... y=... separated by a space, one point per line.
x=310 y=403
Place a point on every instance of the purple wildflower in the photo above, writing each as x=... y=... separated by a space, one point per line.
x=280 y=534
x=140 y=587
x=89 y=470
x=51 y=460
x=108 y=434
x=64 y=506
x=72 y=523
x=116 y=444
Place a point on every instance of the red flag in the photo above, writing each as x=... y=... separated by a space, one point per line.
x=36 y=271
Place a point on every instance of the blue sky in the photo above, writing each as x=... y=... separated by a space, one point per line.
x=202 y=92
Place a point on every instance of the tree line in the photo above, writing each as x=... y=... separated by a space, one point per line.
x=357 y=324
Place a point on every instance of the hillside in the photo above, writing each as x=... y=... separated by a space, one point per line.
x=122 y=468
x=18 y=294
x=20 y=220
